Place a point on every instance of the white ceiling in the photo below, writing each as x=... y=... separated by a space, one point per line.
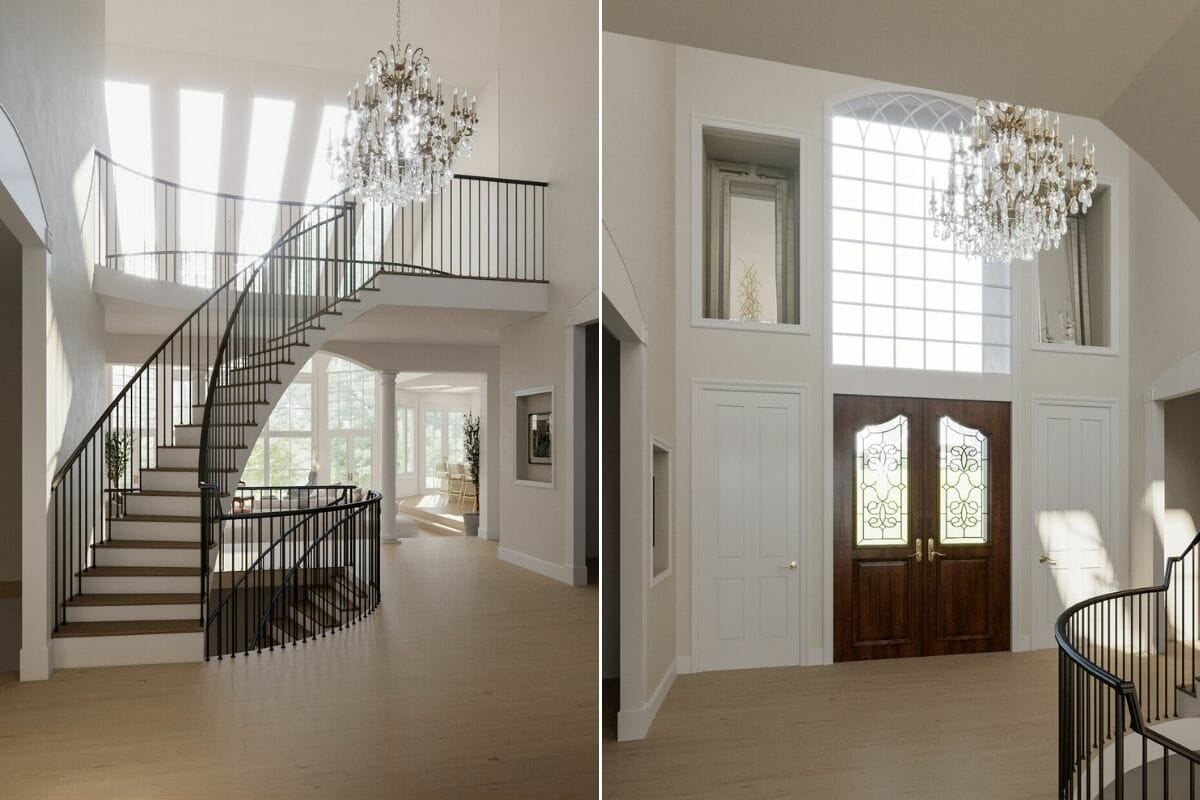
x=421 y=325
x=440 y=382
x=1132 y=64
x=459 y=36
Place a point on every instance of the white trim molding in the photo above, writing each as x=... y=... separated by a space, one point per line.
x=635 y=724
x=658 y=444
x=559 y=572
x=519 y=425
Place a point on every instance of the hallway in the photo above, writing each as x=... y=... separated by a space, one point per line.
x=474 y=677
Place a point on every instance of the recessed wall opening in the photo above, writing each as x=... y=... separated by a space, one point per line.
x=1074 y=281
x=534 y=445
x=751 y=266
x=661 y=532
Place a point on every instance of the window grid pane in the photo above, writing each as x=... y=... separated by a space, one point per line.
x=901 y=296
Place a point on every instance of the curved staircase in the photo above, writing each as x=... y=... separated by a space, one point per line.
x=153 y=562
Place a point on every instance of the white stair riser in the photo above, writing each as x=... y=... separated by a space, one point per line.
x=179 y=457
x=133 y=613
x=140 y=584
x=189 y=436
x=166 y=504
x=140 y=529
x=146 y=557
x=171 y=481
x=115 y=651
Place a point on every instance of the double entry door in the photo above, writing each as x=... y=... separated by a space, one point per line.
x=921 y=527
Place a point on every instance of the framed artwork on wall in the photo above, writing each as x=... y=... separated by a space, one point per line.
x=540 y=438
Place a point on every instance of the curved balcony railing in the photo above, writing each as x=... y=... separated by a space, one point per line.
x=478 y=227
x=1127 y=668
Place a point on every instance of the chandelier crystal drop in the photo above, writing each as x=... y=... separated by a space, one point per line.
x=1010 y=186
x=400 y=138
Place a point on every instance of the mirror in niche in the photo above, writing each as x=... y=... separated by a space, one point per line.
x=1073 y=282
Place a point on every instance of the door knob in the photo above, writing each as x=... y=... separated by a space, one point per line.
x=1045 y=559
x=793 y=565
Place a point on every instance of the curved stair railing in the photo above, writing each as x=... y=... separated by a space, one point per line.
x=215 y=378
x=292 y=573
x=158 y=401
x=1127 y=668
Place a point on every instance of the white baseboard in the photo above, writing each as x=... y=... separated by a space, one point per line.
x=635 y=724
x=559 y=572
x=816 y=656
x=35 y=663
x=579 y=575
x=683 y=665
x=1022 y=644
x=484 y=533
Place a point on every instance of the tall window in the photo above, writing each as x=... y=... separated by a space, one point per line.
x=405 y=435
x=283 y=455
x=902 y=297
x=137 y=416
x=351 y=419
x=435 y=447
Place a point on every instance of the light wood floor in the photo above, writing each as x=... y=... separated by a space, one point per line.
x=475 y=678
x=973 y=726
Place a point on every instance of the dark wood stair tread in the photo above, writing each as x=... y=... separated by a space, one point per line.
x=147 y=544
x=129 y=628
x=135 y=599
x=139 y=572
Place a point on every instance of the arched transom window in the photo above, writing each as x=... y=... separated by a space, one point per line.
x=901 y=296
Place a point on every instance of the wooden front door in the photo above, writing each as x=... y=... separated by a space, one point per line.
x=921 y=527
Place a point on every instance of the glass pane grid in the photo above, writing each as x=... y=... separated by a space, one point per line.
x=886 y=262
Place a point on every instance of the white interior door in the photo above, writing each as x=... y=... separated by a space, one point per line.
x=1073 y=555
x=747 y=524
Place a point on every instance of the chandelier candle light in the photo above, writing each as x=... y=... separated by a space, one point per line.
x=1010 y=187
x=400 y=140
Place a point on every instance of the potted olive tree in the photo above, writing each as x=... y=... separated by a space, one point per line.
x=471 y=444
x=118 y=447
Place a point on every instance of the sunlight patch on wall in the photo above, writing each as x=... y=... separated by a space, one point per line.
x=270 y=134
x=320 y=179
x=200 y=117
x=128 y=109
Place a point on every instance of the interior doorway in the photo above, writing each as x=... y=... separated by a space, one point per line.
x=921 y=527
x=10 y=461
x=610 y=533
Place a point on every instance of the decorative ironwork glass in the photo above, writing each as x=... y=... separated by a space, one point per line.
x=962 y=478
x=881 y=482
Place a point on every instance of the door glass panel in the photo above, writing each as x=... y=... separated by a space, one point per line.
x=962 y=478
x=881 y=478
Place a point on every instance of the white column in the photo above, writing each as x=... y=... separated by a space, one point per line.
x=386 y=410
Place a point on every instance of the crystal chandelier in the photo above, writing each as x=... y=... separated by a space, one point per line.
x=399 y=138
x=1010 y=188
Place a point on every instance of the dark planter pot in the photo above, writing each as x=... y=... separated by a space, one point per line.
x=471 y=523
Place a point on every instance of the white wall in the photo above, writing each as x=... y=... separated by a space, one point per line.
x=51 y=67
x=639 y=198
x=1164 y=296
x=548 y=132
x=715 y=85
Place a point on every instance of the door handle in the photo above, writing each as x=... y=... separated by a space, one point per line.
x=918 y=553
x=933 y=553
x=1045 y=559
x=792 y=565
